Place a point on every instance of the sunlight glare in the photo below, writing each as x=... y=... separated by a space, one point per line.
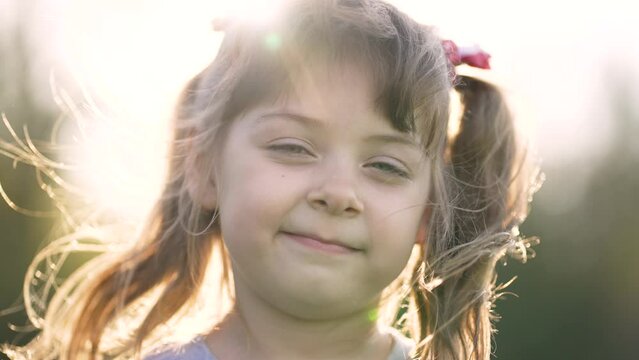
x=253 y=12
x=130 y=59
x=133 y=58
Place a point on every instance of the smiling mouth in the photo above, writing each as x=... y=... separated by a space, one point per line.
x=321 y=245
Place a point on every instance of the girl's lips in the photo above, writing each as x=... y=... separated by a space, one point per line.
x=319 y=244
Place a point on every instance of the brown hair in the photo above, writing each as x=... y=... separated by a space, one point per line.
x=481 y=184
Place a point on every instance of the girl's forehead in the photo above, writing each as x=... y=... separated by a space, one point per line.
x=345 y=87
x=346 y=81
x=344 y=94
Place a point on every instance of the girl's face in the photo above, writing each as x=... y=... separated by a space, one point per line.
x=320 y=198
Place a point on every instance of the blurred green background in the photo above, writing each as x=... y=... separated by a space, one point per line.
x=578 y=299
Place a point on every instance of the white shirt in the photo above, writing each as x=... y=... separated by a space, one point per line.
x=197 y=350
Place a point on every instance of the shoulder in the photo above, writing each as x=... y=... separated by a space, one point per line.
x=195 y=350
x=402 y=346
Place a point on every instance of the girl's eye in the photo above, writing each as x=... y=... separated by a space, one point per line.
x=300 y=150
x=391 y=169
x=290 y=148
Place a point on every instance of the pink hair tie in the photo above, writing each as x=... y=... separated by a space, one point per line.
x=470 y=55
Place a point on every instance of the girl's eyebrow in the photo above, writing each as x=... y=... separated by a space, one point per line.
x=400 y=138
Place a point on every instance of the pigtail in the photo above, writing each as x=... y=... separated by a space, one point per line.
x=112 y=304
x=172 y=256
x=167 y=260
x=486 y=157
x=488 y=189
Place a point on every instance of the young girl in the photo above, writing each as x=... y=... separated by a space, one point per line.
x=315 y=177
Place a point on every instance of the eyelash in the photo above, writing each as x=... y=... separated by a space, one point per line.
x=392 y=168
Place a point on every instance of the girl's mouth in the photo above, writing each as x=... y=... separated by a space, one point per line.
x=317 y=243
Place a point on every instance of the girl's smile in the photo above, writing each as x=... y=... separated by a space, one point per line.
x=333 y=246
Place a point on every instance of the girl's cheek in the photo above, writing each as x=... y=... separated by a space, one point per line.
x=272 y=185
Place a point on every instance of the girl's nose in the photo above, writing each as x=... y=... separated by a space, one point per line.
x=336 y=195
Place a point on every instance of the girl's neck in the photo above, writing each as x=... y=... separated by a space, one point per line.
x=256 y=330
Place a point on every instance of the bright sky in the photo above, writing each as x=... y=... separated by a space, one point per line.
x=554 y=59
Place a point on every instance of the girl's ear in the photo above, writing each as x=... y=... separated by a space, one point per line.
x=424 y=223
x=200 y=181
